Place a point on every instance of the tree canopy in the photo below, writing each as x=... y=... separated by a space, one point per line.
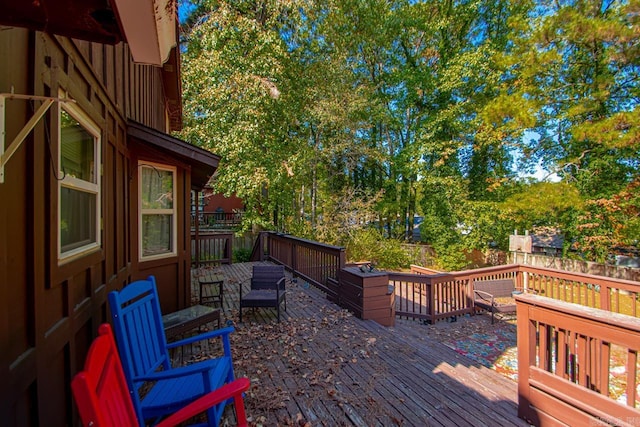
x=336 y=115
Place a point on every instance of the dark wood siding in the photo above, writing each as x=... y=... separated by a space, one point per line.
x=171 y=270
x=49 y=313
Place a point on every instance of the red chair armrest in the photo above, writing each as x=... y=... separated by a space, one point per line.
x=232 y=390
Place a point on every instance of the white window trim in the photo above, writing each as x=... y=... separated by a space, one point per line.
x=173 y=212
x=71 y=182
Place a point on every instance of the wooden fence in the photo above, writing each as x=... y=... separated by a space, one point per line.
x=578 y=338
x=432 y=296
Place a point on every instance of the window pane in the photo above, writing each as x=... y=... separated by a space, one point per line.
x=156 y=188
x=77 y=219
x=76 y=149
x=156 y=234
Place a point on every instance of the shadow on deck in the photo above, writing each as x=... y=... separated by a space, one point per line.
x=323 y=366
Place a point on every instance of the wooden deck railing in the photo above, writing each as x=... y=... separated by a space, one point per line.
x=578 y=334
x=211 y=248
x=432 y=296
x=313 y=261
x=572 y=361
x=217 y=220
x=428 y=294
x=615 y=295
x=578 y=338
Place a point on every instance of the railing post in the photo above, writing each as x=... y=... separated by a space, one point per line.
x=432 y=301
x=520 y=278
x=197 y=226
x=229 y=248
x=605 y=300
x=526 y=352
x=294 y=257
x=469 y=293
x=342 y=262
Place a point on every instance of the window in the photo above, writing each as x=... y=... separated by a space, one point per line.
x=157 y=211
x=79 y=189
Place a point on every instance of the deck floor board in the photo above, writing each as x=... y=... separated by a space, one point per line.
x=323 y=366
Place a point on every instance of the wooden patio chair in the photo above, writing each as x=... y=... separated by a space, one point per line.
x=487 y=292
x=103 y=399
x=157 y=388
x=267 y=289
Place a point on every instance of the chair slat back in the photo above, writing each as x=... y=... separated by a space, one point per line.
x=137 y=322
x=267 y=277
x=498 y=288
x=100 y=390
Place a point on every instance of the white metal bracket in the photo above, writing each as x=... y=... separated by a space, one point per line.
x=47 y=101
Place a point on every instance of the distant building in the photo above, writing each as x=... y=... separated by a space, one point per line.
x=216 y=202
x=547 y=244
x=216 y=210
x=541 y=243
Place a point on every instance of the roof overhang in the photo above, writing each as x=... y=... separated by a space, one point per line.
x=92 y=20
x=173 y=89
x=203 y=163
x=148 y=26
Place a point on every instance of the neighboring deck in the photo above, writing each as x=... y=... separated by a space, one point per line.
x=323 y=366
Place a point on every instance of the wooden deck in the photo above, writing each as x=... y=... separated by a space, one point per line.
x=321 y=366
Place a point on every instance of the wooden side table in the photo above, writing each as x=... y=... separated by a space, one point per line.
x=212 y=290
x=181 y=321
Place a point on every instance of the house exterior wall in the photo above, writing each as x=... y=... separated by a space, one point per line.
x=216 y=201
x=49 y=312
x=172 y=270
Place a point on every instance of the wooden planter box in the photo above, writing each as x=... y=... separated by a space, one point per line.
x=367 y=294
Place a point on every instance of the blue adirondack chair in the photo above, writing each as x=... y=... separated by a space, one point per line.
x=158 y=389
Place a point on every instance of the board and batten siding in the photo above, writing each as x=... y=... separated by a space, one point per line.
x=49 y=312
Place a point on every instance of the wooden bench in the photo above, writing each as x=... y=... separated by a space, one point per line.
x=487 y=292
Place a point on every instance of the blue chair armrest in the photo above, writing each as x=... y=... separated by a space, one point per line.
x=201 y=367
x=223 y=333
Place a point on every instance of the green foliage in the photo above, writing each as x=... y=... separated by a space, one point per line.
x=608 y=223
x=369 y=245
x=542 y=204
x=242 y=255
x=569 y=76
x=332 y=117
x=345 y=215
x=235 y=92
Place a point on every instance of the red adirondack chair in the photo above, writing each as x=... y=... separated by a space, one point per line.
x=102 y=395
